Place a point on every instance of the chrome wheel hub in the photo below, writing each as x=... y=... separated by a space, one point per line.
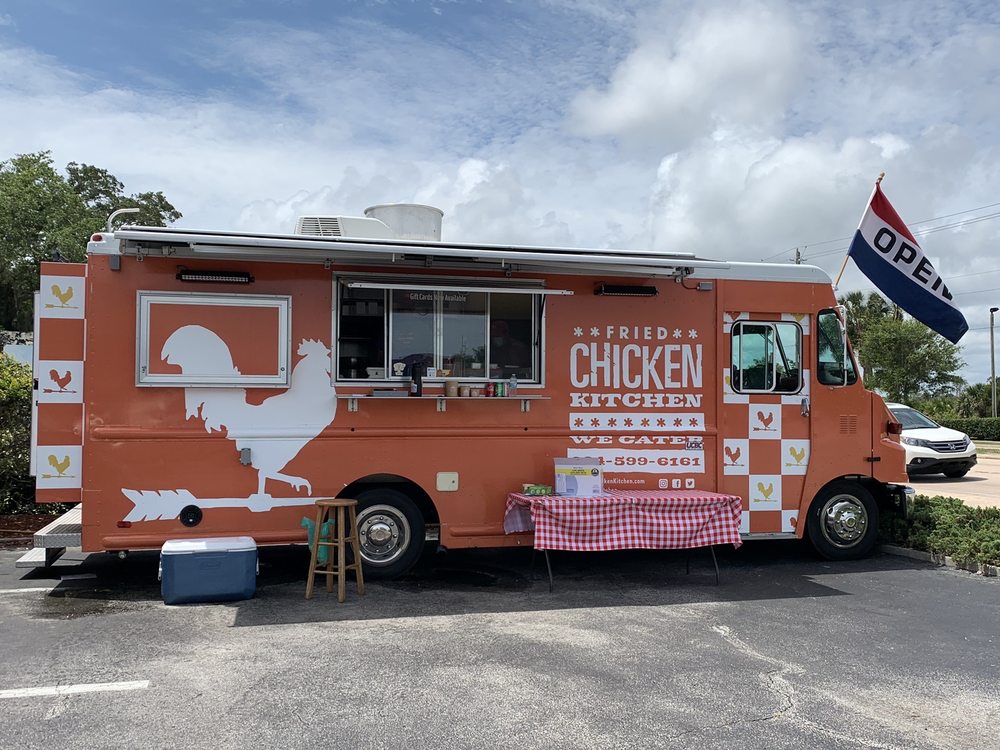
x=844 y=520
x=384 y=534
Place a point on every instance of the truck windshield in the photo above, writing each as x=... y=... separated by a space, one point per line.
x=911 y=419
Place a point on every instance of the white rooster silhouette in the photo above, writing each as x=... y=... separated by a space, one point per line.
x=275 y=430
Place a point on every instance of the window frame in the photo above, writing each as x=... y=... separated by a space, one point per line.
x=537 y=343
x=779 y=349
x=840 y=314
x=145 y=299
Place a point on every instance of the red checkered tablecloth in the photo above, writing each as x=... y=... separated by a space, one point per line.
x=619 y=519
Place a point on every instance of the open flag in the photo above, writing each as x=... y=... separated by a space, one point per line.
x=887 y=253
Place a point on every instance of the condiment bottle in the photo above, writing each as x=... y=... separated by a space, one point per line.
x=417 y=382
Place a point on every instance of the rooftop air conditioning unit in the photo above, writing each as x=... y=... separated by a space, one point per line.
x=343 y=226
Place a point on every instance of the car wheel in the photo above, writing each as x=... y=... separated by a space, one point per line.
x=391 y=530
x=843 y=521
x=956 y=473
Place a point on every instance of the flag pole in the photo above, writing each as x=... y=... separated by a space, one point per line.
x=843 y=266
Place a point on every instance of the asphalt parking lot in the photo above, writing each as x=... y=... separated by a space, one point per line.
x=473 y=651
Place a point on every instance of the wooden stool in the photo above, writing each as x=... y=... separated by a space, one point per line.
x=340 y=540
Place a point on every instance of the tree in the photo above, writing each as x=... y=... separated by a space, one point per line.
x=976 y=400
x=45 y=216
x=864 y=312
x=900 y=356
x=16 y=485
x=905 y=360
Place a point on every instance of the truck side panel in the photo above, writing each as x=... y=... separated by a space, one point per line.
x=631 y=381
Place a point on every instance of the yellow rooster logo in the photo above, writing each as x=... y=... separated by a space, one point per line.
x=64 y=296
x=766 y=490
x=60 y=466
x=798 y=454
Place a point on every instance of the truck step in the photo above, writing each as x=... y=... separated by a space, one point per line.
x=64 y=531
x=39 y=557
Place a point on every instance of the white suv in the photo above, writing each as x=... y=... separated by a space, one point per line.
x=931 y=448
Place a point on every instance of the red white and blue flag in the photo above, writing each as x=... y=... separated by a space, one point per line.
x=888 y=254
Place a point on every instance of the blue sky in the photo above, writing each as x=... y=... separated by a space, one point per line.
x=730 y=128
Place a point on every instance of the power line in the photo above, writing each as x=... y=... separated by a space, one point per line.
x=953 y=292
x=922 y=233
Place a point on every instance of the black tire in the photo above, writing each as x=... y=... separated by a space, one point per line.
x=391 y=529
x=956 y=473
x=843 y=521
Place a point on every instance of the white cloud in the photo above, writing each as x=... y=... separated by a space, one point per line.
x=716 y=69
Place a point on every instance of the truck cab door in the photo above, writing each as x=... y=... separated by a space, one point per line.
x=840 y=405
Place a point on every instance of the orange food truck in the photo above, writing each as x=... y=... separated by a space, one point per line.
x=206 y=383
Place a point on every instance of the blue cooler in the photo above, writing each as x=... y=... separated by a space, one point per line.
x=218 y=569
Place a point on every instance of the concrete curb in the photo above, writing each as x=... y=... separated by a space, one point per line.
x=989 y=571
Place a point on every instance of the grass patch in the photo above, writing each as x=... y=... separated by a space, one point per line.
x=946 y=526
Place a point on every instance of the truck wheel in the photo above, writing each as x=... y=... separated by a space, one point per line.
x=843 y=521
x=391 y=529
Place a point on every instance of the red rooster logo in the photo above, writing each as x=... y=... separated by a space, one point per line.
x=765 y=419
x=733 y=454
x=60 y=380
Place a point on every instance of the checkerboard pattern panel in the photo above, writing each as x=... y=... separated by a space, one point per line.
x=765 y=442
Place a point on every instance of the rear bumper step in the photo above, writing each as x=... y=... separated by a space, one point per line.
x=53 y=539
x=39 y=557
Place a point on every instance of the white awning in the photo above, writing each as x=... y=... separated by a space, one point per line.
x=344 y=250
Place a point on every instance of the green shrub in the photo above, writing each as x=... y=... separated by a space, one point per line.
x=977 y=428
x=17 y=488
x=946 y=526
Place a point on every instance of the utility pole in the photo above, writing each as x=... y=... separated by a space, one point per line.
x=993 y=364
x=798 y=257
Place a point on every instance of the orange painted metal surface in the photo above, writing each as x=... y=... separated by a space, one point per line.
x=638 y=383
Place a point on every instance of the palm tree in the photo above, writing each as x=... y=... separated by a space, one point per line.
x=863 y=311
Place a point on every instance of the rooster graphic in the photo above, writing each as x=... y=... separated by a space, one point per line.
x=275 y=430
x=765 y=419
x=798 y=454
x=733 y=454
x=63 y=296
x=766 y=490
x=59 y=466
x=60 y=380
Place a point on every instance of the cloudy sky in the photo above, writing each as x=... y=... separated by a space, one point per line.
x=736 y=130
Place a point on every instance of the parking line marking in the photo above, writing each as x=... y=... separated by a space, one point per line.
x=94 y=687
x=25 y=590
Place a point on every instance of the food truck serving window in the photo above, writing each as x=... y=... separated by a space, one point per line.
x=386 y=334
x=766 y=357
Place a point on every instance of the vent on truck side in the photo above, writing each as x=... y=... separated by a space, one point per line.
x=848 y=424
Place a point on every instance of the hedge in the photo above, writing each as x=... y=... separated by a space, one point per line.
x=946 y=526
x=977 y=428
x=17 y=487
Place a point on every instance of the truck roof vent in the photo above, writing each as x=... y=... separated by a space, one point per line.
x=343 y=226
x=325 y=226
